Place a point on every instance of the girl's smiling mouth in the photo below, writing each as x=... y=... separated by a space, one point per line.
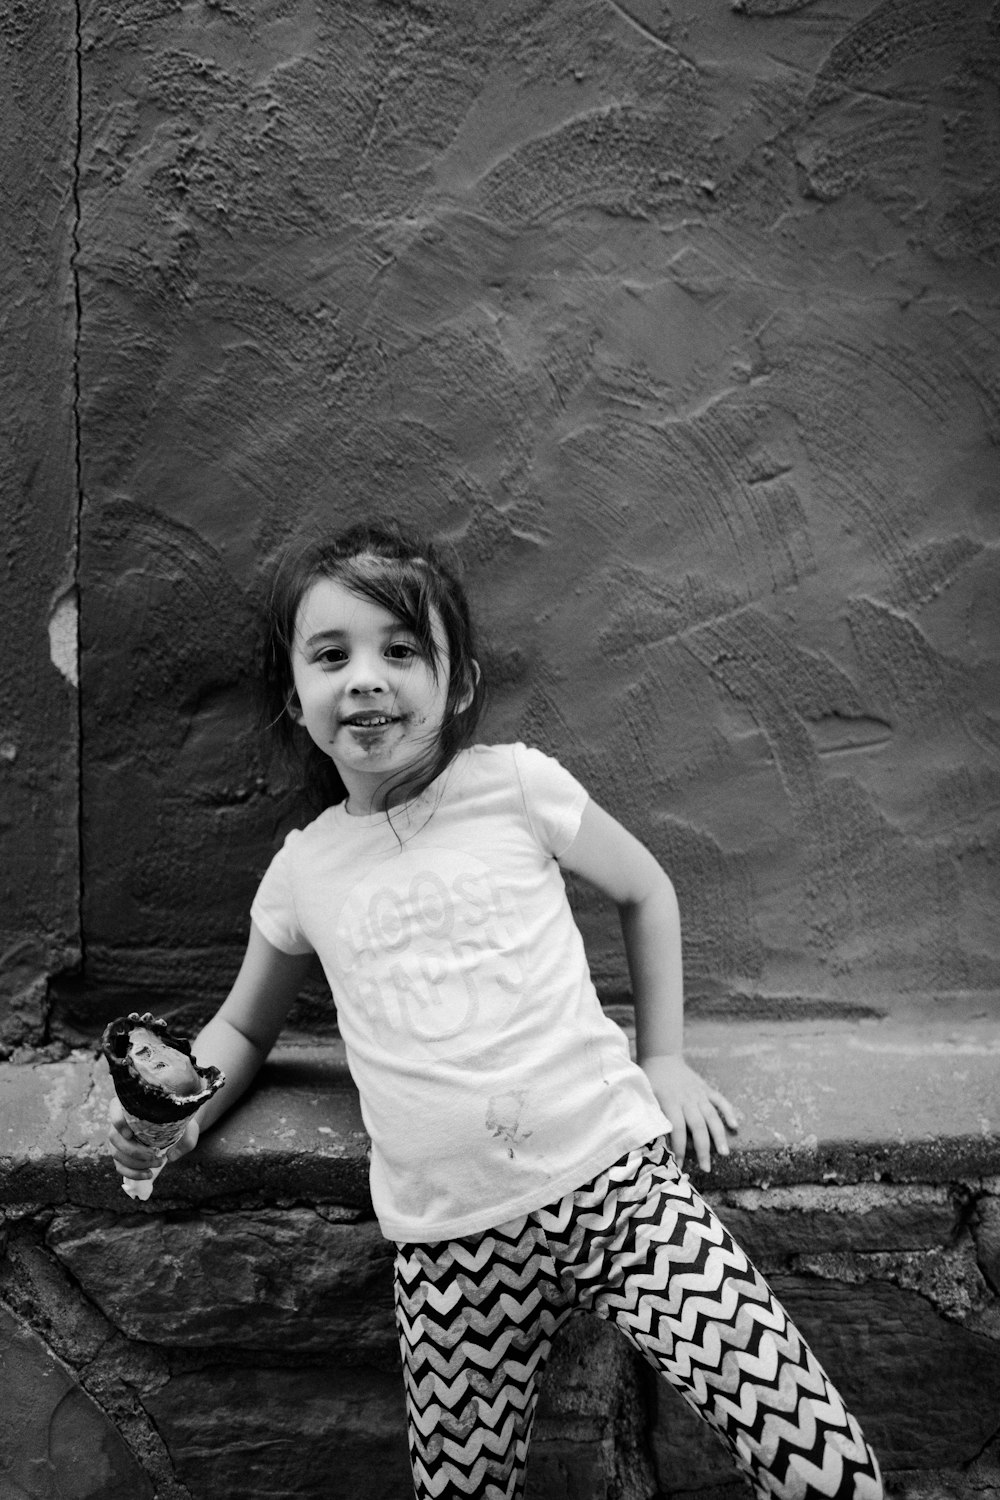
x=370 y=720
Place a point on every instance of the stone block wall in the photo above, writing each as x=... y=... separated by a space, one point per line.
x=235 y=1337
x=241 y=1350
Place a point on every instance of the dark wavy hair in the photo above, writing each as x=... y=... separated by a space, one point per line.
x=405 y=575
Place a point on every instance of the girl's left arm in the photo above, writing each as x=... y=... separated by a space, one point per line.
x=608 y=857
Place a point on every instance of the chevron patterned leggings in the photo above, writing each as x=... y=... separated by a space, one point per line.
x=639 y=1247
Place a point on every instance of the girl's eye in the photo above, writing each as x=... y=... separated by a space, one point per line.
x=401 y=651
x=331 y=656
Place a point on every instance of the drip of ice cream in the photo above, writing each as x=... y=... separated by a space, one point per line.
x=162 y=1065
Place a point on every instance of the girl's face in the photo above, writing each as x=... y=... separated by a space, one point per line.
x=365 y=693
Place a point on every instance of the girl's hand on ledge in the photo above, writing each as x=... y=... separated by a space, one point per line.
x=699 y=1115
x=134 y=1160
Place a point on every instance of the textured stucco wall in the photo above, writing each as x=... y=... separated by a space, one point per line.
x=39 y=843
x=681 y=321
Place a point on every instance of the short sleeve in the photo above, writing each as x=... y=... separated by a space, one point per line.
x=273 y=909
x=553 y=799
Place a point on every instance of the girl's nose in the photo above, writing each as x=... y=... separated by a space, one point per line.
x=367 y=675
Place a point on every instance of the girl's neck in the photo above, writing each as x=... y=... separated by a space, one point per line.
x=385 y=801
x=366 y=802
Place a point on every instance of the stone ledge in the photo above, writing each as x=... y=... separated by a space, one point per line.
x=237 y=1330
x=911 y=1099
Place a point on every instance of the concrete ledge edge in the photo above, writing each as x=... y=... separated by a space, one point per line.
x=886 y=1102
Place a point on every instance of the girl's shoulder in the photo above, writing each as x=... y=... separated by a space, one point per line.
x=539 y=783
x=534 y=788
x=517 y=763
x=315 y=830
x=513 y=755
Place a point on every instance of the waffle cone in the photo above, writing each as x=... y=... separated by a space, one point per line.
x=156 y=1137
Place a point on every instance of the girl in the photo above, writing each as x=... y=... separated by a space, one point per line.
x=521 y=1162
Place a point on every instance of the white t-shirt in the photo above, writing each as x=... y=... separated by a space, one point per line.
x=491 y=1080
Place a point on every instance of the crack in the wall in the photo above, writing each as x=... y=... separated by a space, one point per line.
x=76 y=242
x=643 y=30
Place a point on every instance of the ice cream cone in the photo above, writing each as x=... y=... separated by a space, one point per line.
x=158 y=1083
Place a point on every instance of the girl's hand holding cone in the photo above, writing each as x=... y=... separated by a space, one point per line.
x=138 y=1164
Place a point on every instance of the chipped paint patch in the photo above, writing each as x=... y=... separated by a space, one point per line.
x=64 y=637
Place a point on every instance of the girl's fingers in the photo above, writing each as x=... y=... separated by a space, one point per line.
x=726 y=1110
x=127 y=1164
x=128 y=1152
x=708 y=1131
x=131 y=1158
x=717 y=1130
x=701 y=1143
x=133 y=1174
x=703 y=1124
x=131 y=1168
x=123 y=1140
x=678 y=1139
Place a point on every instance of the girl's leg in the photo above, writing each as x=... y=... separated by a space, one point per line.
x=649 y=1254
x=475 y=1319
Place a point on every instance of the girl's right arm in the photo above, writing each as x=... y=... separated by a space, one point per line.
x=237 y=1040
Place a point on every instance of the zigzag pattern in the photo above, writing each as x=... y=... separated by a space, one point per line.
x=476 y=1321
x=640 y=1248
